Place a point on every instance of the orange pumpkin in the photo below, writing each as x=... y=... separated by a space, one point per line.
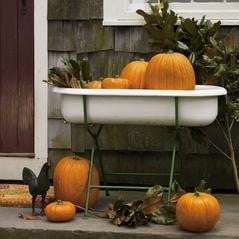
x=70 y=181
x=170 y=71
x=197 y=212
x=95 y=84
x=60 y=211
x=115 y=83
x=135 y=73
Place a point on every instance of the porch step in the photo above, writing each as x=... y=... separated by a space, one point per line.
x=11 y=226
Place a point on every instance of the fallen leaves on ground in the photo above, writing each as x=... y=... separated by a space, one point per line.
x=27 y=216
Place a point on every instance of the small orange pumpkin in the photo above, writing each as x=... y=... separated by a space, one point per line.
x=70 y=181
x=95 y=84
x=115 y=83
x=60 y=211
x=197 y=212
x=135 y=73
x=170 y=71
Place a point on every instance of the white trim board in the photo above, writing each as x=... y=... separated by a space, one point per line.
x=122 y=12
x=11 y=167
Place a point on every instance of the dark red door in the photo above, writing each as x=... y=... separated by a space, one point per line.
x=16 y=76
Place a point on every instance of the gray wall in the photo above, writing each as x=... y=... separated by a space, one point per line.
x=75 y=31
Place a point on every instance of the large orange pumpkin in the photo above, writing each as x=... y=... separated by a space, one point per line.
x=197 y=212
x=135 y=73
x=170 y=71
x=70 y=181
x=115 y=83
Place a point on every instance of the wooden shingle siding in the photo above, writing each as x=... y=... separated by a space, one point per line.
x=59 y=134
x=75 y=9
x=136 y=138
x=79 y=36
x=61 y=36
x=91 y=36
x=68 y=9
x=96 y=9
x=107 y=63
x=133 y=39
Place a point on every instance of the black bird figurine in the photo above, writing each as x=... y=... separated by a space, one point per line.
x=37 y=185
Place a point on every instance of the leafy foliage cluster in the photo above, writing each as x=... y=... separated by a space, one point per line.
x=152 y=208
x=74 y=74
x=215 y=58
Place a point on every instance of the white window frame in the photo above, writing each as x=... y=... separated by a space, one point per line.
x=11 y=167
x=120 y=12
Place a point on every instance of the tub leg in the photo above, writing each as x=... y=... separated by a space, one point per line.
x=89 y=182
x=175 y=147
x=95 y=138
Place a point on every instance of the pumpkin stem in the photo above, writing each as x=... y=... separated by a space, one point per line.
x=59 y=202
x=170 y=51
x=202 y=187
x=196 y=193
x=76 y=157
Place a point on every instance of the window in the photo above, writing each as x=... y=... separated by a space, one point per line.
x=123 y=12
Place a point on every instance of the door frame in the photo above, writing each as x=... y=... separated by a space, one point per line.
x=11 y=167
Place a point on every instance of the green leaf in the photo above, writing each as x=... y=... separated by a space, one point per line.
x=160 y=25
x=85 y=69
x=149 y=19
x=163 y=219
x=165 y=216
x=155 y=191
x=190 y=26
x=151 y=205
x=182 y=46
x=192 y=57
x=220 y=70
x=215 y=43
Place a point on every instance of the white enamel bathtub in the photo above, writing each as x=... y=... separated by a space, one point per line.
x=197 y=107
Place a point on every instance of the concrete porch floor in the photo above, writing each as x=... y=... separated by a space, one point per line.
x=11 y=226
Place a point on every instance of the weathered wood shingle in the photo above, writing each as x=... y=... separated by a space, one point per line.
x=75 y=9
x=68 y=9
x=96 y=9
x=137 y=138
x=108 y=63
x=61 y=36
x=59 y=134
x=133 y=39
x=91 y=36
x=79 y=36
